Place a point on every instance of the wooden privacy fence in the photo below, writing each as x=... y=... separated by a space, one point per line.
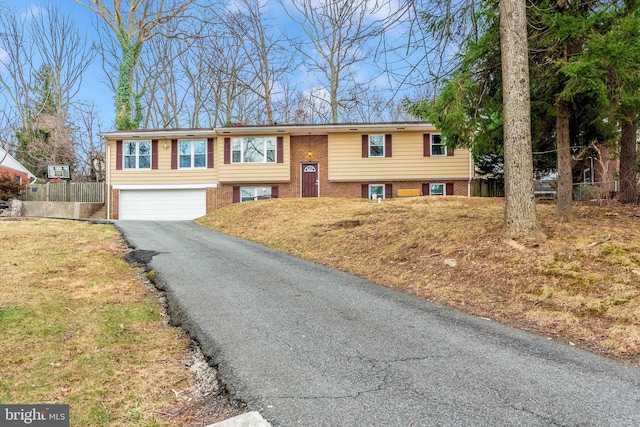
x=488 y=188
x=85 y=192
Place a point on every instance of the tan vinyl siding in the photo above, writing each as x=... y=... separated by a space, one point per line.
x=164 y=174
x=254 y=172
x=407 y=163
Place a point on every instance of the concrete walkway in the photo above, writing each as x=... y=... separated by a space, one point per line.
x=250 y=419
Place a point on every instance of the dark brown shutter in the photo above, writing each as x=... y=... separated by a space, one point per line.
x=154 y=154
x=449 y=191
x=425 y=189
x=119 y=154
x=174 y=154
x=209 y=153
x=449 y=151
x=274 y=192
x=426 y=145
x=387 y=145
x=388 y=191
x=236 y=194
x=227 y=152
x=365 y=191
x=280 y=150
x=365 y=145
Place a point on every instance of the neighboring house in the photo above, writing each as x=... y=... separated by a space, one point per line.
x=175 y=174
x=11 y=167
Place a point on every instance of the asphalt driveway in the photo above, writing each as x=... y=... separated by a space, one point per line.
x=306 y=345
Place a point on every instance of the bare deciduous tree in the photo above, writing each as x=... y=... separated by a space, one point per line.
x=16 y=56
x=337 y=35
x=161 y=83
x=267 y=58
x=44 y=57
x=90 y=149
x=63 y=49
x=132 y=26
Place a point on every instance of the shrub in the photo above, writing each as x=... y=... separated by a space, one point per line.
x=9 y=187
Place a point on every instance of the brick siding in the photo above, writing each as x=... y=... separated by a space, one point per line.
x=12 y=173
x=314 y=149
x=114 y=203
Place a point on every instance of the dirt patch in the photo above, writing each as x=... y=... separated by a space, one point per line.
x=204 y=402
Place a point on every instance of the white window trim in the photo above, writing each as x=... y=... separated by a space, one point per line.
x=376 y=185
x=243 y=147
x=256 y=196
x=192 y=155
x=137 y=155
x=383 y=145
x=444 y=148
x=444 y=189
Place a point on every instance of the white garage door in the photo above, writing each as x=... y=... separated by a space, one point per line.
x=162 y=205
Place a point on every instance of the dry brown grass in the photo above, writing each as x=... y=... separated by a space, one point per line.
x=575 y=286
x=79 y=327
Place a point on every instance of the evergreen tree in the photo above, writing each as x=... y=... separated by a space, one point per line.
x=46 y=99
x=583 y=67
x=46 y=137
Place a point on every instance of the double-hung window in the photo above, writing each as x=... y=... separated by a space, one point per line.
x=376 y=145
x=253 y=150
x=437 y=146
x=192 y=154
x=137 y=154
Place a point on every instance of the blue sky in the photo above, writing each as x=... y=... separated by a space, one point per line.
x=95 y=88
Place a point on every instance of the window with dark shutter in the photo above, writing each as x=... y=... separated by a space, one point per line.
x=365 y=145
x=449 y=188
x=209 y=153
x=280 y=150
x=365 y=191
x=119 y=154
x=425 y=189
x=426 y=146
x=274 y=192
x=388 y=191
x=227 y=155
x=236 y=194
x=154 y=154
x=387 y=145
x=174 y=154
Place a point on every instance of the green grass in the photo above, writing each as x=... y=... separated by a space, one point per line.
x=78 y=327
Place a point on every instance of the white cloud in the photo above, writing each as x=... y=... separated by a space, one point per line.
x=33 y=11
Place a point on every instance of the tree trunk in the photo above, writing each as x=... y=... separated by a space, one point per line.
x=628 y=160
x=520 y=208
x=124 y=95
x=564 y=202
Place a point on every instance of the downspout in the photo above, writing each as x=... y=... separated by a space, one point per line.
x=470 y=174
x=108 y=181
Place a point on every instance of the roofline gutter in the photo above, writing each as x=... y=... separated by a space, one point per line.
x=272 y=129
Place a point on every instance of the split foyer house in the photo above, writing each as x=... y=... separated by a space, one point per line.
x=181 y=174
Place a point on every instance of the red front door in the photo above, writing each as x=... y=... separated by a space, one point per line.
x=310 y=180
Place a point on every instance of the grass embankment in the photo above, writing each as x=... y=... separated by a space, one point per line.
x=580 y=285
x=79 y=327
